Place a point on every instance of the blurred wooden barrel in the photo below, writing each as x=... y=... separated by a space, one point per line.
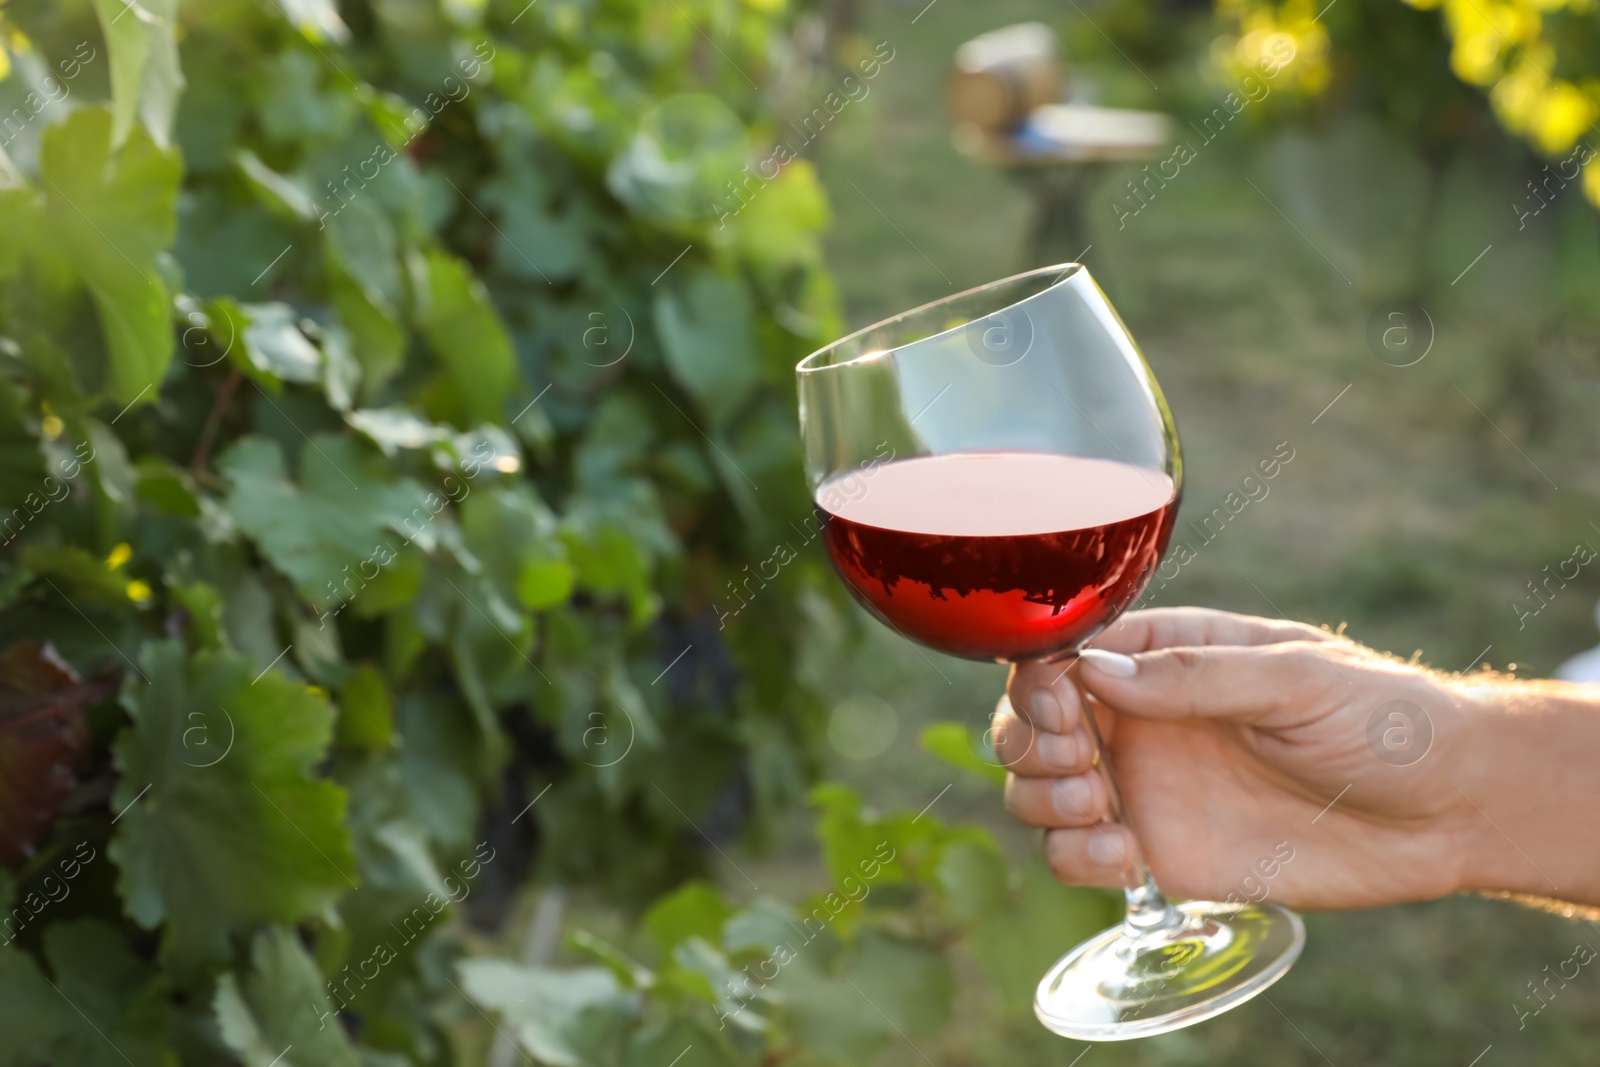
x=1002 y=76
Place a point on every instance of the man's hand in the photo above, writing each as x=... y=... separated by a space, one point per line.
x=1239 y=741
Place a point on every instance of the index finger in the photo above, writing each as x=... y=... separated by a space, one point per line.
x=1042 y=694
x=1186 y=627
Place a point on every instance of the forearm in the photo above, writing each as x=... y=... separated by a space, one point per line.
x=1529 y=774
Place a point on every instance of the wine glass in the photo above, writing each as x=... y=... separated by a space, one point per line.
x=997 y=476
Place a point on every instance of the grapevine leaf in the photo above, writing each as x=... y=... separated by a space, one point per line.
x=275 y=346
x=318 y=19
x=363 y=242
x=396 y=429
x=278 y=1013
x=339 y=527
x=97 y=981
x=468 y=338
x=378 y=341
x=112 y=215
x=695 y=909
x=849 y=839
x=957 y=746
x=283 y=195
x=533 y=241
x=366 y=710
x=514 y=536
x=213 y=844
x=163 y=75
x=167 y=488
x=83 y=576
x=561 y=1016
x=707 y=328
x=43 y=736
x=21 y=463
x=128 y=39
x=439 y=758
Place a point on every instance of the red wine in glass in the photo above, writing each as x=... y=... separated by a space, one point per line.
x=998 y=555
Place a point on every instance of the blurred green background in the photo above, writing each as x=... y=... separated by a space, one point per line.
x=1416 y=507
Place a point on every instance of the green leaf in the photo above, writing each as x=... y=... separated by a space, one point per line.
x=696 y=909
x=78 y=574
x=956 y=745
x=707 y=328
x=22 y=469
x=104 y=1010
x=339 y=527
x=274 y=345
x=278 y=1014
x=514 y=535
x=396 y=429
x=363 y=242
x=111 y=216
x=366 y=710
x=250 y=837
x=203 y=605
x=318 y=19
x=467 y=338
x=283 y=195
x=677 y=164
x=851 y=843
x=547 y=1006
x=377 y=339
x=145 y=76
x=167 y=488
x=394 y=587
x=532 y=241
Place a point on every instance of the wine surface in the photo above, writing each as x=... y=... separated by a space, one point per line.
x=998 y=555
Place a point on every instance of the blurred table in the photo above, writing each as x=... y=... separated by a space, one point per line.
x=1005 y=98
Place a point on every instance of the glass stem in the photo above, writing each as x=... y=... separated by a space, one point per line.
x=1149 y=912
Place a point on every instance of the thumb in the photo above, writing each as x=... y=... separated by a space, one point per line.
x=1246 y=684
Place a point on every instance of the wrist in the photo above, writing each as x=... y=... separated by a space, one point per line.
x=1528 y=793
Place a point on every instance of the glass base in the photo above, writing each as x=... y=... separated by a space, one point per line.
x=1114 y=987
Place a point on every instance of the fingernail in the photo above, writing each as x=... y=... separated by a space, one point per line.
x=1105 y=848
x=1071 y=797
x=1058 y=751
x=1113 y=663
x=1047 y=713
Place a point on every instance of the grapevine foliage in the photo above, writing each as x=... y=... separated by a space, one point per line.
x=385 y=410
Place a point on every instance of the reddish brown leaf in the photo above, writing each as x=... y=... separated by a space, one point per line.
x=43 y=741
